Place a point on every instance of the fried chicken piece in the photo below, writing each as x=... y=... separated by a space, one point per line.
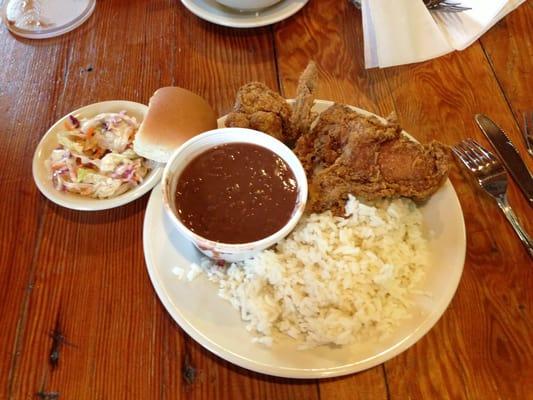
x=258 y=107
x=260 y=121
x=237 y=120
x=267 y=122
x=347 y=153
x=321 y=146
x=302 y=116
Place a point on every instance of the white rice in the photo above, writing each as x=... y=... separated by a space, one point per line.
x=179 y=272
x=194 y=271
x=333 y=280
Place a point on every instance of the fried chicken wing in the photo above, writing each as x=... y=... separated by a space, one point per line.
x=347 y=153
x=302 y=116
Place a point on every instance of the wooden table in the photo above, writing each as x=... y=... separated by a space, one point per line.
x=78 y=316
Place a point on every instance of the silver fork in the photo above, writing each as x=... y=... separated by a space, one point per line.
x=434 y=5
x=445 y=6
x=528 y=131
x=491 y=177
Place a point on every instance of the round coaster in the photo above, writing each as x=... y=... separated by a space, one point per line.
x=41 y=19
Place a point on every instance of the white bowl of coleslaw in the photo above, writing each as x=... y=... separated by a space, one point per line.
x=86 y=162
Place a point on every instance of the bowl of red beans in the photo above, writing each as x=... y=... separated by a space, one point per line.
x=234 y=192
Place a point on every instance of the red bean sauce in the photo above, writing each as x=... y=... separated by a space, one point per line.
x=236 y=193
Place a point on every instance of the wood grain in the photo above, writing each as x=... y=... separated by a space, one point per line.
x=369 y=384
x=509 y=48
x=88 y=300
x=437 y=100
x=22 y=206
x=334 y=41
x=97 y=310
x=79 y=317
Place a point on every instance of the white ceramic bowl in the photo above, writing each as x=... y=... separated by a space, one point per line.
x=75 y=201
x=248 y=5
x=198 y=144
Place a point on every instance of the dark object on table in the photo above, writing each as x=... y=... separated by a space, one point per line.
x=528 y=131
x=508 y=153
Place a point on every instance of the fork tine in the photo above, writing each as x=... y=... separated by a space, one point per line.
x=458 y=152
x=469 y=155
x=459 y=8
x=474 y=148
x=447 y=7
x=481 y=152
x=461 y=155
x=452 y=5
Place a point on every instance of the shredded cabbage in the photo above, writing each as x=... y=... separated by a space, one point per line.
x=95 y=157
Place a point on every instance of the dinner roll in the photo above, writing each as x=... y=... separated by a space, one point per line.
x=174 y=116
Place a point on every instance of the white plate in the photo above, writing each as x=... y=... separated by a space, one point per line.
x=73 y=200
x=216 y=325
x=218 y=14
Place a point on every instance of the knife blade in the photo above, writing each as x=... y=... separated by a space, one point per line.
x=508 y=153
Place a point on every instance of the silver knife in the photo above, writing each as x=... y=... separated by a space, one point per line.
x=507 y=152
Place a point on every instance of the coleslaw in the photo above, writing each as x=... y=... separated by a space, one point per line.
x=95 y=156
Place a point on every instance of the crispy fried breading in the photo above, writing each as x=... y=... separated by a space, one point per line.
x=345 y=152
x=302 y=117
x=238 y=120
x=349 y=153
x=262 y=121
x=321 y=146
x=260 y=108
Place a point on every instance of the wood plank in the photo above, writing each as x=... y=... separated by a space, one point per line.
x=92 y=303
x=334 y=40
x=98 y=309
x=509 y=48
x=206 y=376
x=24 y=119
x=229 y=58
x=92 y=326
x=369 y=384
x=472 y=352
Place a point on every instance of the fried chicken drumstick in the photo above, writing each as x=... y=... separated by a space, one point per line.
x=347 y=153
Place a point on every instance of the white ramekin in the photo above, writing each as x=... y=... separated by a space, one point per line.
x=200 y=143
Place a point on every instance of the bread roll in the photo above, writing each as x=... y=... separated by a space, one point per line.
x=174 y=116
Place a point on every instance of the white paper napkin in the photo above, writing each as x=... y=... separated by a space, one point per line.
x=404 y=31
